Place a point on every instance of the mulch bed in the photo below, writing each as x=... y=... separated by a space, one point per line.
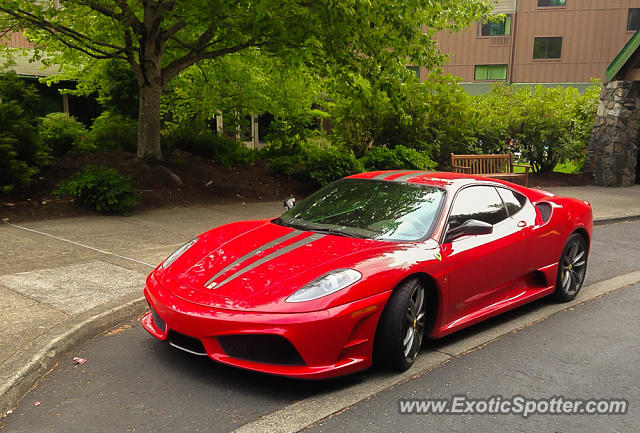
x=202 y=183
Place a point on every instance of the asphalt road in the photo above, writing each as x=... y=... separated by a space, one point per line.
x=132 y=382
x=589 y=352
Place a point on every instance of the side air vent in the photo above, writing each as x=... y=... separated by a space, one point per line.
x=157 y=320
x=545 y=210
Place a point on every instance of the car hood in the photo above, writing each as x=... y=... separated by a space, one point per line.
x=257 y=266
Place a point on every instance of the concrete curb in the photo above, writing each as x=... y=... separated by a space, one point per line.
x=22 y=370
x=612 y=220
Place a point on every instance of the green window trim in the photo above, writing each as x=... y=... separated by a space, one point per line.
x=496 y=28
x=490 y=73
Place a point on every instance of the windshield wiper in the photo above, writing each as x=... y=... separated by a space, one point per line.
x=336 y=232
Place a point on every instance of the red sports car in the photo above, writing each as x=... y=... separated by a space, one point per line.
x=360 y=271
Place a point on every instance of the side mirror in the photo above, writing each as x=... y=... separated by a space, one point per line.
x=289 y=203
x=469 y=227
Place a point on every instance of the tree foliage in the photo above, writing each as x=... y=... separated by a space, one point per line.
x=160 y=39
x=547 y=125
x=21 y=151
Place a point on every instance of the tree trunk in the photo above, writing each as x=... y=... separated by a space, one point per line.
x=149 y=122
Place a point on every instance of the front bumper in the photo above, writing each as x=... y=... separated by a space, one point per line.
x=331 y=342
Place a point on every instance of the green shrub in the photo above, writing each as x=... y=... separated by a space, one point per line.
x=547 y=125
x=288 y=165
x=325 y=164
x=101 y=188
x=63 y=133
x=21 y=152
x=431 y=116
x=318 y=162
x=383 y=158
x=203 y=142
x=112 y=131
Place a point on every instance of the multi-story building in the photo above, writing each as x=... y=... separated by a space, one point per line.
x=541 y=41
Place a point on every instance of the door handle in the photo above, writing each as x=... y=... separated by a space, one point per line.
x=522 y=223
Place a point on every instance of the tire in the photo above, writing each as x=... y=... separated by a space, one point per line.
x=572 y=268
x=402 y=326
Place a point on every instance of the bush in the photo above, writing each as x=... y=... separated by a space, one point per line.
x=101 y=188
x=319 y=162
x=21 y=152
x=203 y=142
x=548 y=125
x=431 y=116
x=383 y=158
x=112 y=131
x=325 y=164
x=63 y=133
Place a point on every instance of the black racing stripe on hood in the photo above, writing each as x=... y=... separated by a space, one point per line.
x=269 y=257
x=252 y=253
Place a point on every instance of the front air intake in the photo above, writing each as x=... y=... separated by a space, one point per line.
x=267 y=349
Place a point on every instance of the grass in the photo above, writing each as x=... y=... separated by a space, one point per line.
x=567 y=167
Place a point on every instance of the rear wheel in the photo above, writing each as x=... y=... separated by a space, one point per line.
x=402 y=326
x=572 y=268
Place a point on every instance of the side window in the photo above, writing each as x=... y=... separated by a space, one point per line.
x=512 y=200
x=479 y=203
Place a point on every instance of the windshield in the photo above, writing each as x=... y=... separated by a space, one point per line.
x=369 y=209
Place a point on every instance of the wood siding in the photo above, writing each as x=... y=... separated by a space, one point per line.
x=15 y=40
x=593 y=32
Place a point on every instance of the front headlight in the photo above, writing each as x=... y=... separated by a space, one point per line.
x=327 y=284
x=177 y=253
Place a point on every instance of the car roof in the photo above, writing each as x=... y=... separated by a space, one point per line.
x=447 y=180
x=442 y=179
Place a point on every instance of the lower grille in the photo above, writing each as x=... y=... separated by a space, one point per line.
x=186 y=343
x=267 y=349
x=158 y=321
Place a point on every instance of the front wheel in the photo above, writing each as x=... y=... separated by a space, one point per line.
x=572 y=268
x=402 y=326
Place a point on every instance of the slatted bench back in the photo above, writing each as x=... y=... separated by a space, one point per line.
x=484 y=164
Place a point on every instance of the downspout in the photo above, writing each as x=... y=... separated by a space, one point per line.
x=514 y=26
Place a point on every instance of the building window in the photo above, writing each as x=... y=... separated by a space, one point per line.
x=551 y=3
x=633 y=20
x=497 y=28
x=490 y=72
x=415 y=70
x=547 y=48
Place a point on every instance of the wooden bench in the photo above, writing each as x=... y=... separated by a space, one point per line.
x=498 y=166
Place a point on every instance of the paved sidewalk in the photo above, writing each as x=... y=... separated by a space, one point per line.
x=607 y=203
x=66 y=280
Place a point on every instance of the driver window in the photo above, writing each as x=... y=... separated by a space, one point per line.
x=479 y=203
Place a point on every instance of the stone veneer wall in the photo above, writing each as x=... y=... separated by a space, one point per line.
x=613 y=150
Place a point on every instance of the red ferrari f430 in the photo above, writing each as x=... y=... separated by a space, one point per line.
x=362 y=270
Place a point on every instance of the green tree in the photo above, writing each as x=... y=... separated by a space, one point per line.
x=161 y=38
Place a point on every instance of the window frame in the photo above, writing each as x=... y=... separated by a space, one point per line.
x=551 y=5
x=547 y=59
x=526 y=199
x=455 y=197
x=475 y=73
x=509 y=19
